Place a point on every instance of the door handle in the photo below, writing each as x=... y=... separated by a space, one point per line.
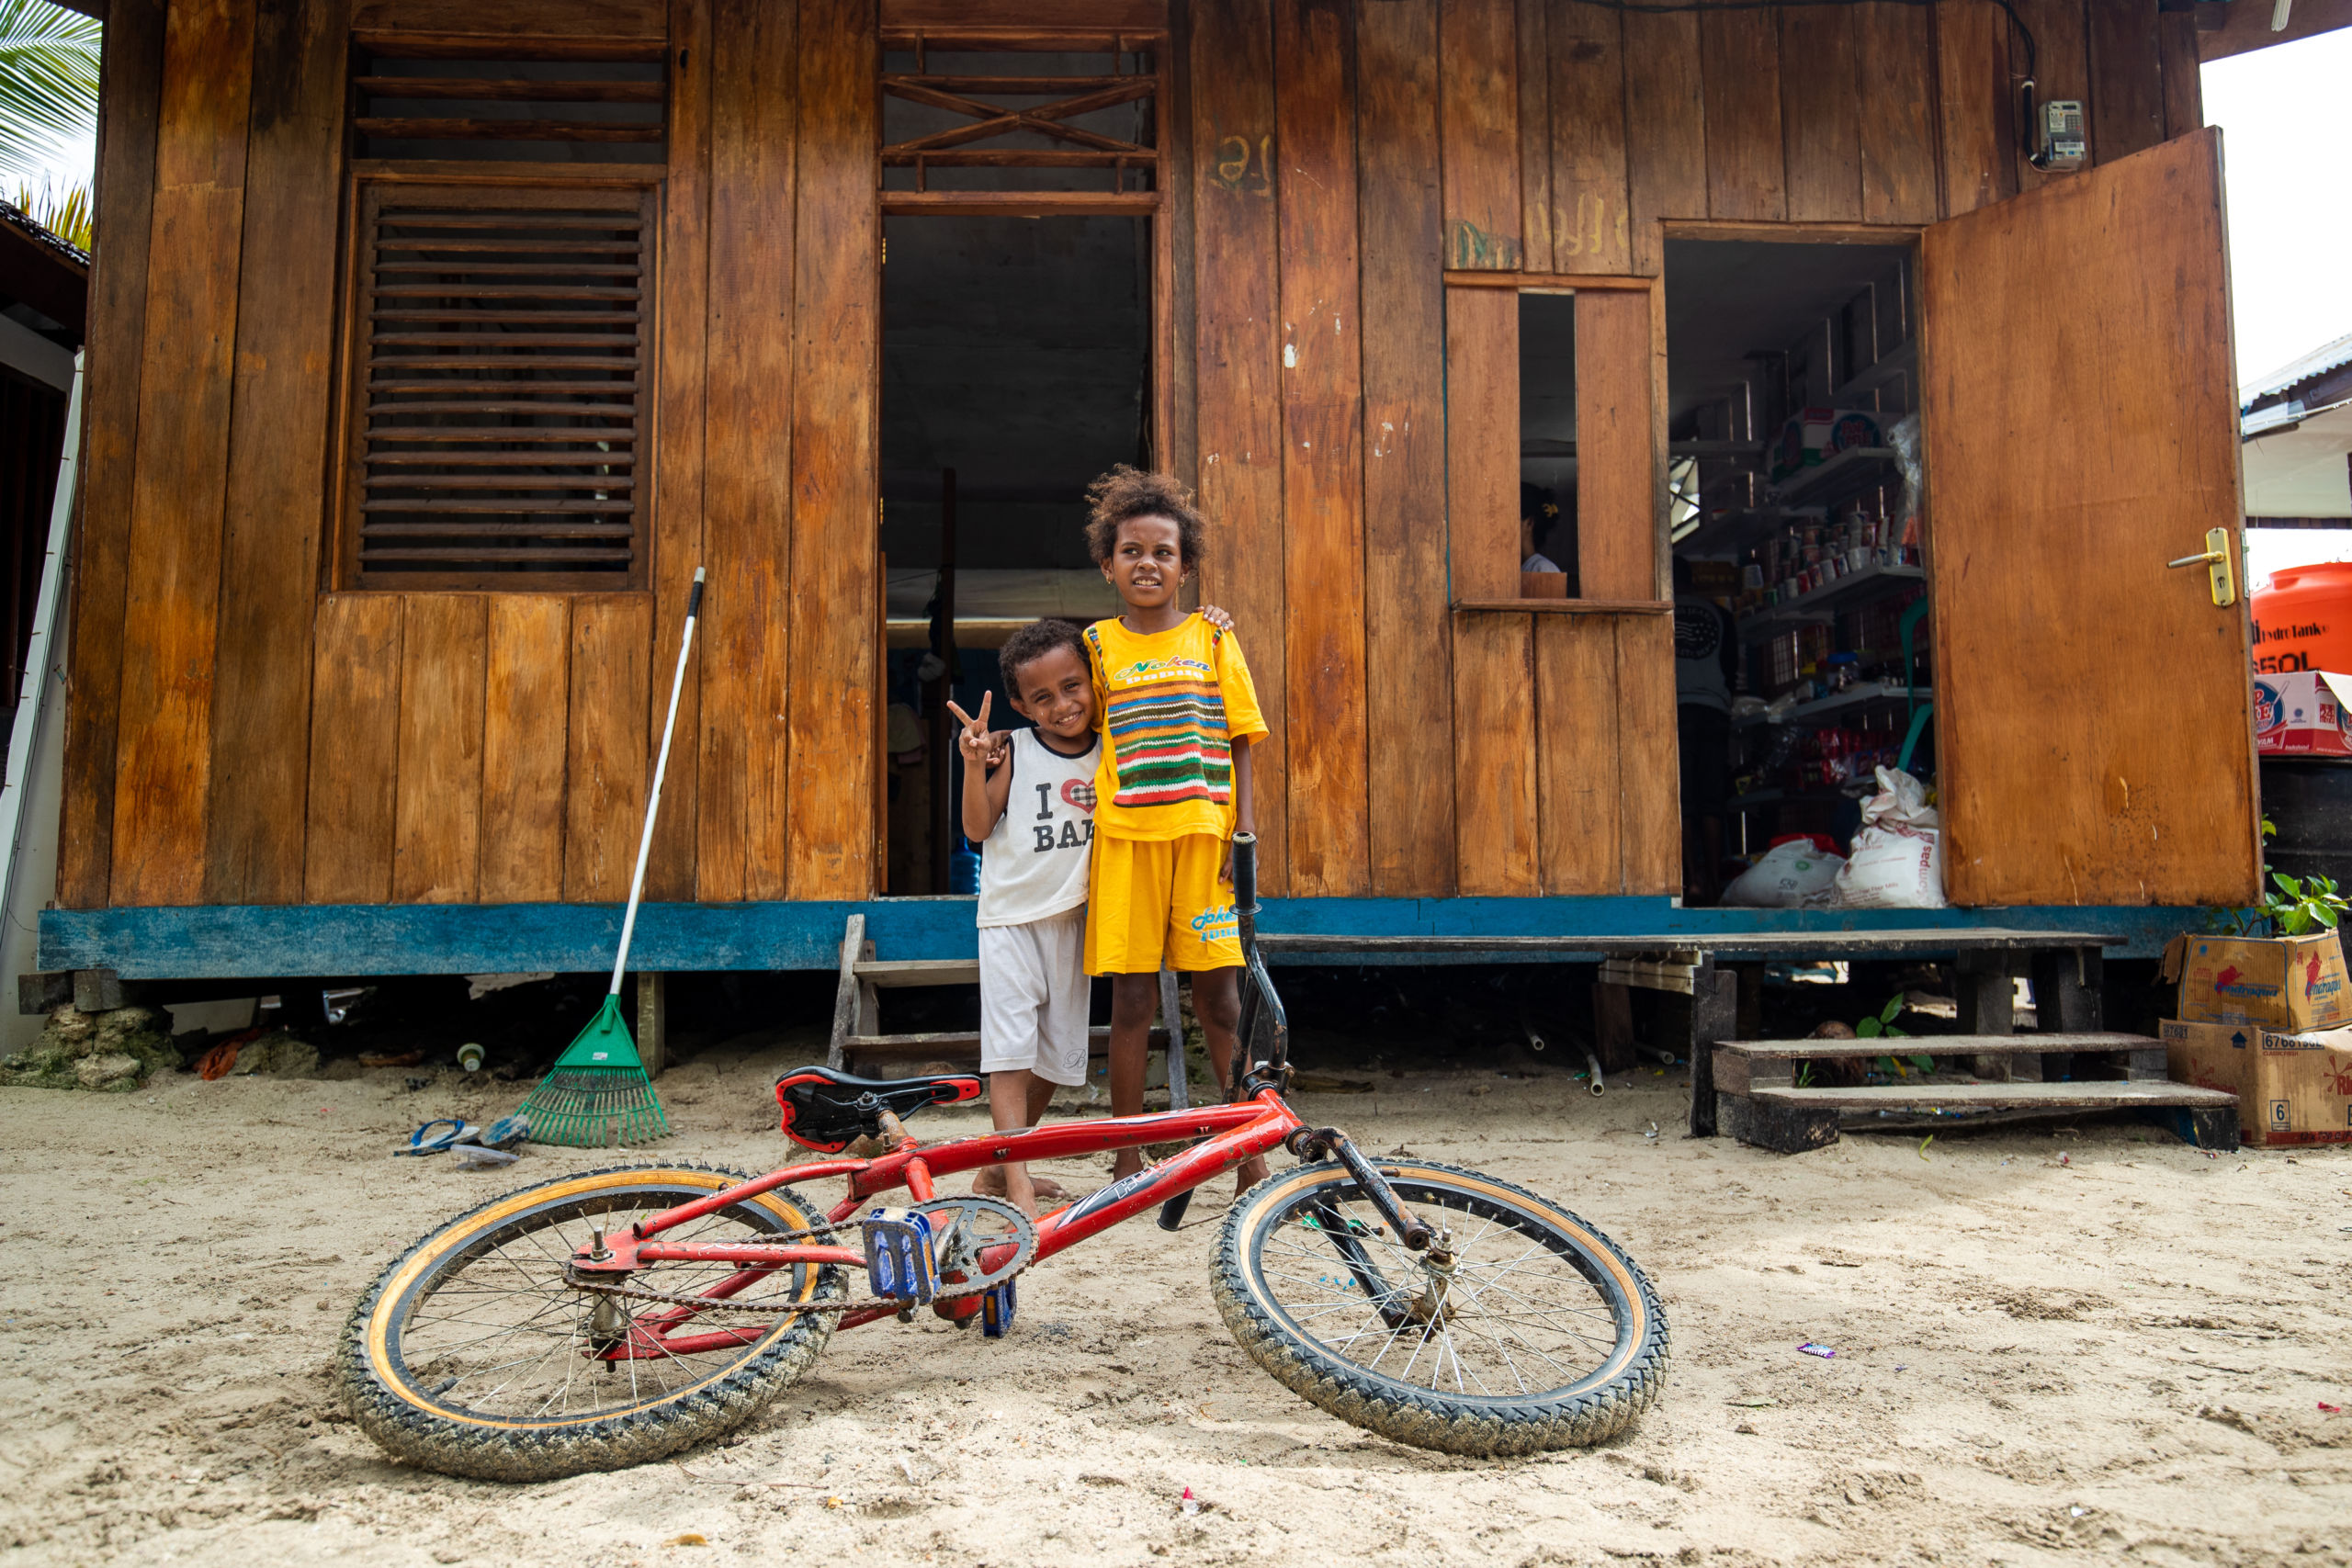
x=2216 y=560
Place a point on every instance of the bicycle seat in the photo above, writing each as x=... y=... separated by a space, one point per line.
x=823 y=1109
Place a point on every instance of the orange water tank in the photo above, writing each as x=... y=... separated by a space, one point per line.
x=2304 y=620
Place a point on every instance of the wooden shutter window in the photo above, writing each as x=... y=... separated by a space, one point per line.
x=498 y=400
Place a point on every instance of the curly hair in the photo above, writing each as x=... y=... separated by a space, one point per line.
x=1033 y=642
x=1125 y=494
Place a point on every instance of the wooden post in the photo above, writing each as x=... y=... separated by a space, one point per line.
x=97 y=990
x=653 y=1023
x=1714 y=1016
x=845 y=993
x=1987 y=997
x=2067 y=983
x=1613 y=1025
x=945 y=819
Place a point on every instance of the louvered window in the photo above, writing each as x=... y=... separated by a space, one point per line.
x=498 y=415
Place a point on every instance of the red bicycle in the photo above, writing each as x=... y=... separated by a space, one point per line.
x=609 y=1318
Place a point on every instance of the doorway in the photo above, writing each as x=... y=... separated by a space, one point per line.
x=1800 y=584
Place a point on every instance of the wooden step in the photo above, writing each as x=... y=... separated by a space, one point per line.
x=1791 y=1120
x=891 y=972
x=1938 y=1045
x=954 y=1045
x=1746 y=1065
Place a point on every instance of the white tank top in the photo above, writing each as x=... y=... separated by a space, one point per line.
x=1033 y=863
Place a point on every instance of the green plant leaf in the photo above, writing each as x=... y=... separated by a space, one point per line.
x=2291 y=887
x=1893 y=1010
x=49 y=82
x=1868 y=1029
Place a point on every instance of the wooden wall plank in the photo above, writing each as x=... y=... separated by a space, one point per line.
x=1739 y=66
x=606 y=767
x=837 y=337
x=1616 y=488
x=164 y=757
x=1482 y=442
x=1494 y=756
x=2061 y=66
x=746 y=804
x=1478 y=120
x=1405 y=624
x=1975 y=109
x=1238 y=356
x=2127 y=102
x=438 y=799
x=1173 y=242
x=129 y=97
x=1666 y=158
x=354 y=749
x=2184 y=92
x=1589 y=232
x=1322 y=397
x=1577 y=786
x=1820 y=114
x=1534 y=135
x=1895 y=55
x=523 y=749
x=679 y=411
x=640 y=19
x=1649 y=814
x=283 y=393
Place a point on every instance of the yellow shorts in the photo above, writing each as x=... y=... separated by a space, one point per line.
x=1150 y=898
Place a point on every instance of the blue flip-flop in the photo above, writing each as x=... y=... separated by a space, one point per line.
x=426 y=1141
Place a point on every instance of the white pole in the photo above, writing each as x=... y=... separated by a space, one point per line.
x=32 y=692
x=660 y=767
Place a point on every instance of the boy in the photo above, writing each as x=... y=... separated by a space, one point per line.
x=1179 y=712
x=1032 y=882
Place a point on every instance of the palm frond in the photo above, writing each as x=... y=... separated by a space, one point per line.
x=62 y=209
x=48 y=81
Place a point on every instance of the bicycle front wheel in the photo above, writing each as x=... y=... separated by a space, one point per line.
x=474 y=1354
x=1534 y=1332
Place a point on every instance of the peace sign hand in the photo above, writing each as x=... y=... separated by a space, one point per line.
x=974 y=739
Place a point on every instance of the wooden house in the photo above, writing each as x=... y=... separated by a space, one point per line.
x=434 y=345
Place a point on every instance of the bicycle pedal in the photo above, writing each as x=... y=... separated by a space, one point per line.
x=1172 y=1212
x=898 y=1264
x=997 y=1309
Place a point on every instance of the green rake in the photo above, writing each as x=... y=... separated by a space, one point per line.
x=597 y=1095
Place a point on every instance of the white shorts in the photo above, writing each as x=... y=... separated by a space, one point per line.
x=1033 y=997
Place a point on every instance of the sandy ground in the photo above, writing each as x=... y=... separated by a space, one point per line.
x=2116 y=1357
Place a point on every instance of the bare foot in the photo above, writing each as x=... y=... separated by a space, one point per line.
x=1251 y=1172
x=1048 y=1190
x=990 y=1182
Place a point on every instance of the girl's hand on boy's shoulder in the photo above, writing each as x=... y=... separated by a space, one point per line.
x=1216 y=617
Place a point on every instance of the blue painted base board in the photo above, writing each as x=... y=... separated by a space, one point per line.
x=271 y=941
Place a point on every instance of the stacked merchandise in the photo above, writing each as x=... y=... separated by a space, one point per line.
x=1809 y=554
x=2264 y=1018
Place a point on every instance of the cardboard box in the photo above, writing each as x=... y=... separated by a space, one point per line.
x=2291 y=1088
x=2288 y=983
x=2302 y=713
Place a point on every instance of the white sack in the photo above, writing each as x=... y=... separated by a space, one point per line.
x=1790 y=876
x=1898 y=860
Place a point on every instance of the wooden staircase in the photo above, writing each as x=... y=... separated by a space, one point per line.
x=859 y=1045
x=1760 y=1102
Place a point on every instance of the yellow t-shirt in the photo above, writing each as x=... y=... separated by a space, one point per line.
x=1171 y=705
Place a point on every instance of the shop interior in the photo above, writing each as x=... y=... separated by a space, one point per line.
x=1802 y=648
x=1015 y=368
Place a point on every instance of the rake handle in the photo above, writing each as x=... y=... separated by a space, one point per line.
x=661 y=769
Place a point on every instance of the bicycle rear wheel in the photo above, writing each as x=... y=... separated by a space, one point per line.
x=1544 y=1335
x=473 y=1355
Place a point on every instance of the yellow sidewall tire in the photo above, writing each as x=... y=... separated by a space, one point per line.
x=407 y=1422
x=1596 y=1407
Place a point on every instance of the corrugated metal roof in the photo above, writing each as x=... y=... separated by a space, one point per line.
x=2318 y=362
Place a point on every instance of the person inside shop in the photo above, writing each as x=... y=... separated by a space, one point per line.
x=1540 y=533
x=1706 y=654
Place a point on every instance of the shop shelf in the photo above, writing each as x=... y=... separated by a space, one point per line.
x=1819 y=604
x=1847 y=474
x=1851 y=703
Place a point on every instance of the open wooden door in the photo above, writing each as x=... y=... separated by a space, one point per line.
x=2080 y=414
